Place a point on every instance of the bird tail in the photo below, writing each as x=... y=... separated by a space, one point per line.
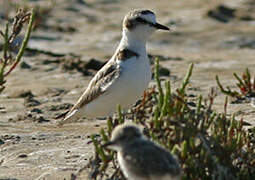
x=70 y=116
x=62 y=115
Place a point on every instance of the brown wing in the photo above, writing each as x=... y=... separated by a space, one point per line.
x=108 y=73
x=98 y=85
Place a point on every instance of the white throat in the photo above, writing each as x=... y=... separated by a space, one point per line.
x=133 y=41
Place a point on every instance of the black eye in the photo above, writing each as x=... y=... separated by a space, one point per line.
x=141 y=20
x=122 y=138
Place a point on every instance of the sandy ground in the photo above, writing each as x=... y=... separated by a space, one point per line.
x=33 y=147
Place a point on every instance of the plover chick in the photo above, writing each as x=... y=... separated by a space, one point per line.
x=140 y=158
x=122 y=80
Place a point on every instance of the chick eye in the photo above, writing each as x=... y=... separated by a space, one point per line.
x=122 y=138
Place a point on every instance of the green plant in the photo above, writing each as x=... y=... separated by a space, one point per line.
x=7 y=62
x=245 y=84
x=42 y=11
x=209 y=145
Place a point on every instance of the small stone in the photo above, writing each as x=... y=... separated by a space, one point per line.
x=164 y=71
x=21 y=94
x=1 y=142
x=77 y=137
x=222 y=13
x=24 y=65
x=192 y=104
x=50 y=61
x=63 y=106
x=55 y=91
x=41 y=119
x=191 y=95
x=2 y=109
x=248 y=44
x=75 y=63
x=22 y=156
x=94 y=64
x=36 y=110
x=247 y=18
x=30 y=101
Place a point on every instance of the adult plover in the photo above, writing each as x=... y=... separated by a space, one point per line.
x=125 y=76
x=140 y=158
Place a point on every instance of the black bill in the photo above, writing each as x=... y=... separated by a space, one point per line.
x=160 y=26
x=108 y=144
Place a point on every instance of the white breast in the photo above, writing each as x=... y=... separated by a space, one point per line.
x=125 y=91
x=135 y=77
x=127 y=173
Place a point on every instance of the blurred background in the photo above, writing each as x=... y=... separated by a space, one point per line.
x=218 y=36
x=72 y=39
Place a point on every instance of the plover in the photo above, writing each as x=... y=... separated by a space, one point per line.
x=140 y=158
x=122 y=80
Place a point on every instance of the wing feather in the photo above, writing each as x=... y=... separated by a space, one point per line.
x=98 y=86
x=101 y=82
x=109 y=73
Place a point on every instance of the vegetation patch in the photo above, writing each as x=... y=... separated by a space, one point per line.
x=7 y=62
x=208 y=144
x=245 y=85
